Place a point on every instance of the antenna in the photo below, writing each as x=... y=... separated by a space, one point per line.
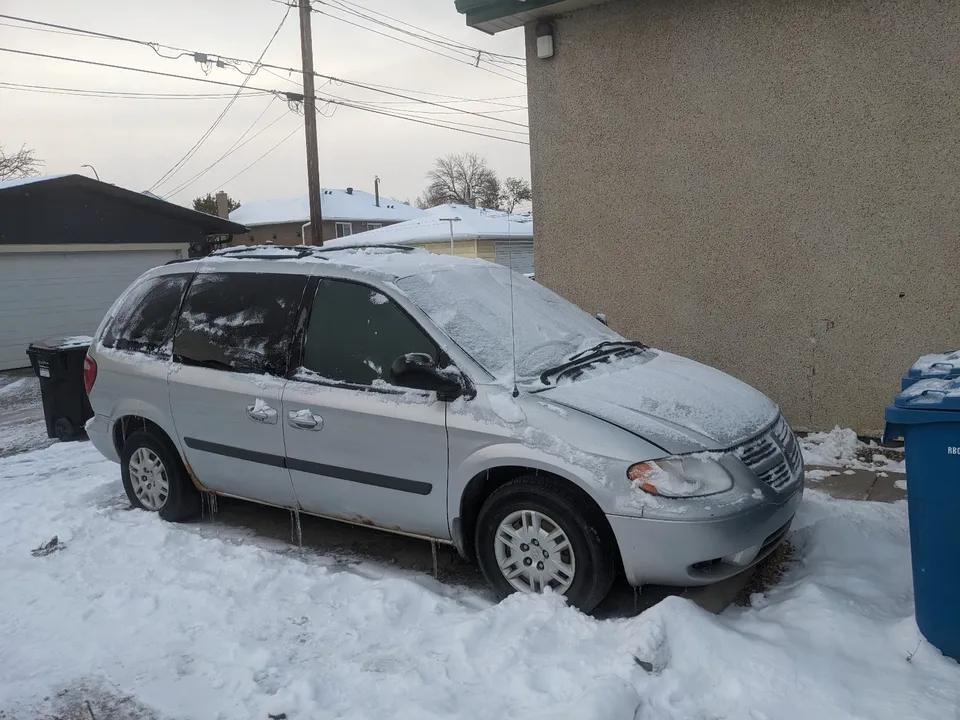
x=513 y=324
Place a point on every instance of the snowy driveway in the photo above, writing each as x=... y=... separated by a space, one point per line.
x=198 y=622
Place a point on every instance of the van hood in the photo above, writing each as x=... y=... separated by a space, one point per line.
x=671 y=401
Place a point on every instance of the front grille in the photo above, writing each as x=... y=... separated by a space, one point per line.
x=774 y=456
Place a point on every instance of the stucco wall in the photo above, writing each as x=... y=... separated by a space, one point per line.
x=768 y=187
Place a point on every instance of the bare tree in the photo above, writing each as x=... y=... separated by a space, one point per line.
x=514 y=192
x=461 y=178
x=21 y=164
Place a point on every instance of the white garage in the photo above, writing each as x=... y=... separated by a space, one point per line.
x=65 y=290
x=69 y=245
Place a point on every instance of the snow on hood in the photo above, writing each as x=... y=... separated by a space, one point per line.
x=676 y=403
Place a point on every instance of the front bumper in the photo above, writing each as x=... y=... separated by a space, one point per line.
x=98 y=430
x=704 y=551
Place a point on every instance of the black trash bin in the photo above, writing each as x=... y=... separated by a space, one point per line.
x=58 y=363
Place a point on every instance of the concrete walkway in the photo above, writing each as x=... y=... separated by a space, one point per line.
x=860 y=484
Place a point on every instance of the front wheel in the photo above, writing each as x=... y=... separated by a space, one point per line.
x=532 y=534
x=155 y=478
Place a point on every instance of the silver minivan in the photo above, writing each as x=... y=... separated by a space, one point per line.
x=444 y=398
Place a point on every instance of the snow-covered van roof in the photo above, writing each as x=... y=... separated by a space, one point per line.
x=349 y=204
x=384 y=260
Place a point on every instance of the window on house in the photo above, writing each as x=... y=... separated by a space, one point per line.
x=374 y=226
x=239 y=321
x=344 y=229
x=355 y=333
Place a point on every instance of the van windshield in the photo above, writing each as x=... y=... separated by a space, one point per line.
x=471 y=304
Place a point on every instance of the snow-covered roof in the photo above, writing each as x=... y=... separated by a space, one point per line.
x=472 y=224
x=335 y=205
x=6 y=184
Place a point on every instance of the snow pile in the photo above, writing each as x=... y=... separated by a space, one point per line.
x=841 y=448
x=204 y=621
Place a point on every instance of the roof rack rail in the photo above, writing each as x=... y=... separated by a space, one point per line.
x=250 y=252
x=366 y=246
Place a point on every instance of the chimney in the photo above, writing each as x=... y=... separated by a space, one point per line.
x=376 y=190
x=349 y=191
x=472 y=203
x=223 y=208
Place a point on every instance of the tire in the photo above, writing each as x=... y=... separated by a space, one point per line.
x=63 y=429
x=590 y=552
x=179 y=500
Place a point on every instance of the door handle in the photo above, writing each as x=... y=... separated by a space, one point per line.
x=304 y=420
x=262 y=413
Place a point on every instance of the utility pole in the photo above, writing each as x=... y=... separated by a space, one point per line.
x=310 y=127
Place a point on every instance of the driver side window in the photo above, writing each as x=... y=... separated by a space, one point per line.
x=356 y=332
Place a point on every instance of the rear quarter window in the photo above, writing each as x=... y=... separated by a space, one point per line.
x=146 y=317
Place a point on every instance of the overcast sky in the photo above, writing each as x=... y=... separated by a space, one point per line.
x=133 y=142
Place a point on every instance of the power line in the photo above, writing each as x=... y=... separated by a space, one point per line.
x=420 y=113
x=104 y=36
x=196 y=146
x=359 y=11
x=123 y=94
x=430 y=50
x=423 y=30
x=285 y=95
x=234 y=177
x=442 y=41
x=237 y=144
x=423 y=122
x=210 y=57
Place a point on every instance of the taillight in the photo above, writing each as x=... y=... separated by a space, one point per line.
x=89 y=373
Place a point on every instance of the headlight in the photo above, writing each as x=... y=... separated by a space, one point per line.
x=680 y=477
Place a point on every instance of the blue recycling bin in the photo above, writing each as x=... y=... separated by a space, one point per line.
x=938 y=366
x=927 y=416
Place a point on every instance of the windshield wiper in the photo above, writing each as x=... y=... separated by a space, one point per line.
x=606 y=344
x=585 y=357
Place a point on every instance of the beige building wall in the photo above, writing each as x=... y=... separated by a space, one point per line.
x=483 y=249
x=769 y=187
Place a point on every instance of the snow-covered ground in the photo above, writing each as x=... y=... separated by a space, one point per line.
x=202 y=621
x=21 y=418
x=841 y=448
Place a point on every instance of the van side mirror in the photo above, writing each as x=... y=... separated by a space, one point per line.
x=419 y=371
x=602 y=317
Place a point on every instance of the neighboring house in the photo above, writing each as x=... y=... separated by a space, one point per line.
x=69 y=245
x=477 y=232
x=769 y=187
x=345 y=212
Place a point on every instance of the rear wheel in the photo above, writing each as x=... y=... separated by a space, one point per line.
x=63 y=429
x=155 y=478
x=532 y=534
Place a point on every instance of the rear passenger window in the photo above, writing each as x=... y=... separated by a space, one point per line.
x=144 y=321
x=355 y=333
x=239 y=321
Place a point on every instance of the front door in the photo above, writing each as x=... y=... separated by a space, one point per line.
x=358 y=447
x=231 y=351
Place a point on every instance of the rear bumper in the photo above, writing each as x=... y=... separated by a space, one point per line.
x=700 y=552
x=98 y=430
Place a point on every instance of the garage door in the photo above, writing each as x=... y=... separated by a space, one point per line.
x=48 y=294
x=515 y=254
